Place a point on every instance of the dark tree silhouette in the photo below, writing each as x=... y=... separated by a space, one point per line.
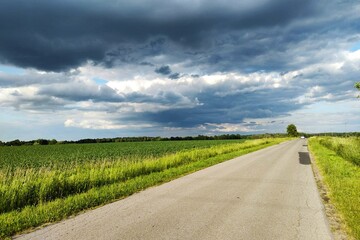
x=291 y=130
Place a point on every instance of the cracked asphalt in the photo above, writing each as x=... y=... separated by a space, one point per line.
x=268 y=194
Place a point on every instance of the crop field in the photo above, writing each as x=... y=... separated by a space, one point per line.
x=40 y=184
x=338 y=160
x=62 y=155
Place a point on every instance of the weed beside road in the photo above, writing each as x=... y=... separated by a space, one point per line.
x=337 y=161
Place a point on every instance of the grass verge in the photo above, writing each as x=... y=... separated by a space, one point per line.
x=347 y=148
x=183 y=163
x=342 y=179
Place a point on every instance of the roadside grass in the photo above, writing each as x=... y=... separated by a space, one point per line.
x=347 y=148
x=342 y=177
x=30 y=198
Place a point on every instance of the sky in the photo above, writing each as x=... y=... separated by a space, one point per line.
x=74 y=69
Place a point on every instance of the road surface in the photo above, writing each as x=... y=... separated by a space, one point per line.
x=268 y=194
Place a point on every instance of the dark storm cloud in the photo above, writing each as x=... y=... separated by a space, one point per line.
x=37 y=103
x=31 y=78
x=146 y=64
x=58 y=35
x=164 y=70
x=81 y=92
x=174 y=76
x=162 y=97
x=233 y=108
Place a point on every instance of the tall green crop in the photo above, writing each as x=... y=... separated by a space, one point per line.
x=40 y=156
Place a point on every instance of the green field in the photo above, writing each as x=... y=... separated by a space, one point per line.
x=40 y=184
x=338 y=162
x=38 y=156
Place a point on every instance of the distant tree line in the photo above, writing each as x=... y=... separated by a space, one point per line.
x=17 y=142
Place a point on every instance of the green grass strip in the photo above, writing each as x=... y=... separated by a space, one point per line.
x=342 y=178
x=33 y=216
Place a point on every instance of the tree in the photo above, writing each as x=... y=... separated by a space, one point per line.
x=15 y=142
x=43 y=141
x=357 y=85
x=291 y=130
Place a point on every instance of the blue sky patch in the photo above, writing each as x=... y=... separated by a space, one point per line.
x=355 y=47
x=11 y=69
x=100 y=81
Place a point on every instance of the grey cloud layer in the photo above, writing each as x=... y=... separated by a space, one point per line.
x=58 y=35
x=188 y=104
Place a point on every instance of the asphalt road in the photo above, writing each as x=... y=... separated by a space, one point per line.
x=268 y=194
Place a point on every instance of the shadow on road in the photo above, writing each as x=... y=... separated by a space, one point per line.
x=304 y=158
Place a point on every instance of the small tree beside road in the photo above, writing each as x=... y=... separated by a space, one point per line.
x=292 y=131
